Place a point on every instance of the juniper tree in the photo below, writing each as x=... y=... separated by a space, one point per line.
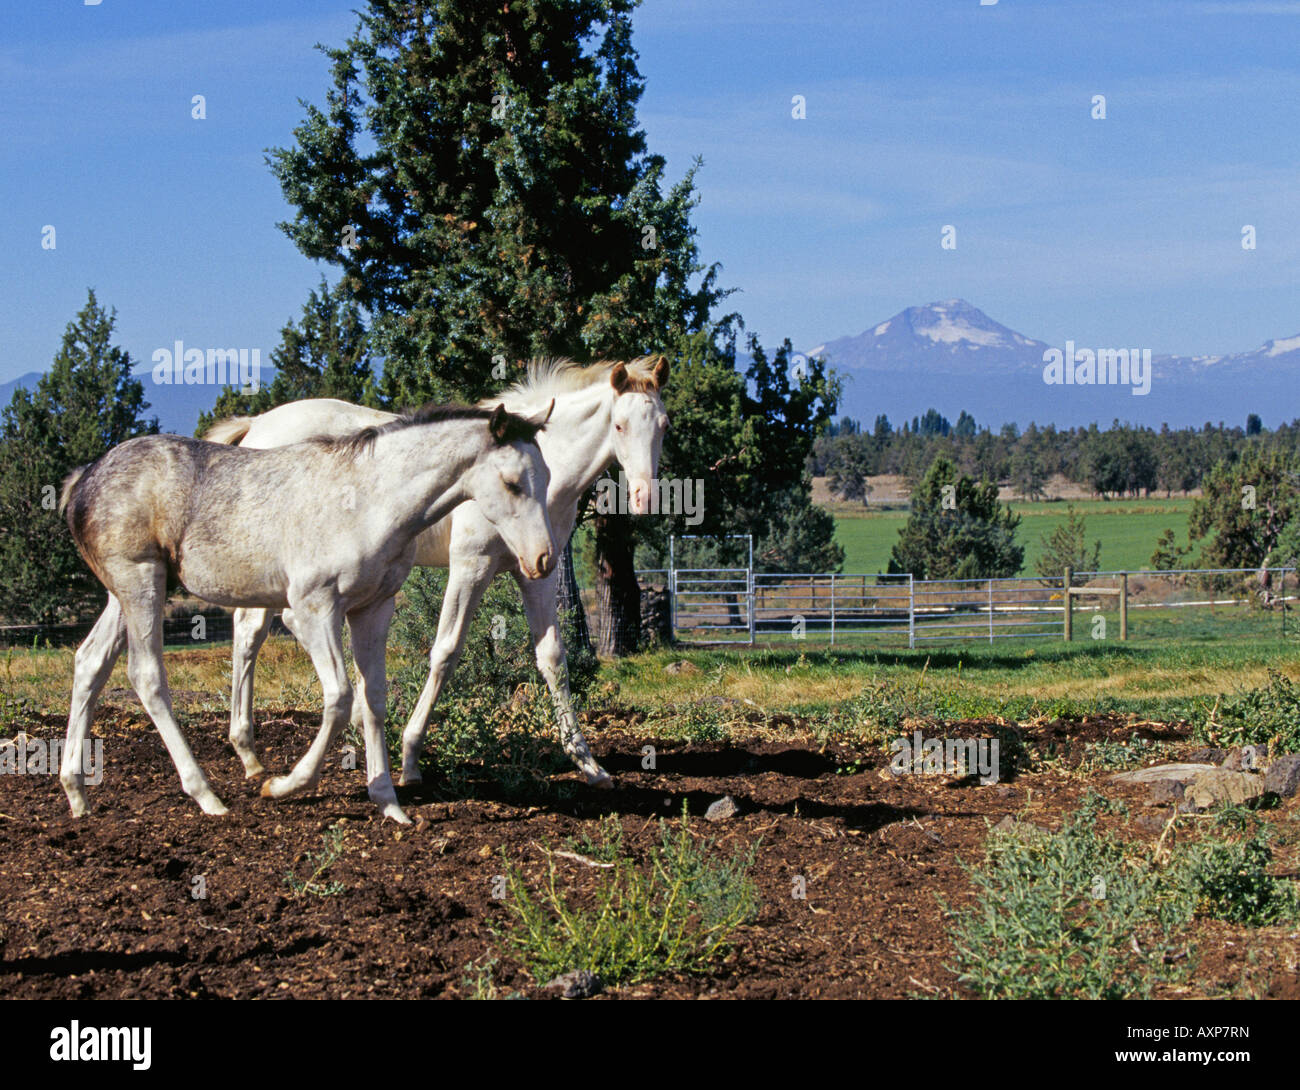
x=957 y=529
x=85 y=404
x=478 y=176
x=1067 y=547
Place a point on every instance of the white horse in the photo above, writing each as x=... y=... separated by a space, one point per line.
x=326 y=527
x=605 y=412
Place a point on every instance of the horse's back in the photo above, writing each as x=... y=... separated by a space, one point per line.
x=319 y=417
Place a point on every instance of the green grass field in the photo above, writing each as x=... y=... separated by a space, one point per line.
x=1127 y=530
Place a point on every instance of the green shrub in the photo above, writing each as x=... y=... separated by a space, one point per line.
x=478 y=741
x=498 y=652
x=1063 y=915
x=1116 y=756
x=1228 y=879
x=677 y=914
x=1256 y=716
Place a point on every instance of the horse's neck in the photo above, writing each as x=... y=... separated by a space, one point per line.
x=576 y=446
x=419 y=469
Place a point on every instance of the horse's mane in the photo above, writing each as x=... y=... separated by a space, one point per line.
x=546 y=377
x=361 y=442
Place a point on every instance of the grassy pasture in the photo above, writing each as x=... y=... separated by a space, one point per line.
x=1127 y=530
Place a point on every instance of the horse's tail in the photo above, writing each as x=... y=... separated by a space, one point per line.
x=69 y=483
x=230 y=430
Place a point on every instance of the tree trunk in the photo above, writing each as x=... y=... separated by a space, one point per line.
x=618 y=595
x=573 y=615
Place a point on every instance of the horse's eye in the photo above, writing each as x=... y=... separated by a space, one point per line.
x=618 y=427
x=514 y=489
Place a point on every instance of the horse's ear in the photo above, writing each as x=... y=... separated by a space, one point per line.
x=660 y=373
x=618 y=378
x=541 y=418
x=498 y=423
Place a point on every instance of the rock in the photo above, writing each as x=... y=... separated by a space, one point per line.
x=1180 y=773
x=1209 y=755
x=684 y=667
x=1151 y=823
x=1283 y=776
x=577 y=984
x=1222 y=786
x=724 y=808
x=1241 y=759
x=1165 y=793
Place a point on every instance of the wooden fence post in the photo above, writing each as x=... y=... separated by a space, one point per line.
x=1123 y=606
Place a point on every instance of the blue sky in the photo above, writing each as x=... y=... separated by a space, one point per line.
x=920 y=113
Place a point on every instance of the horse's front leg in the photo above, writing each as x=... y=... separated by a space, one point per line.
x=369 y=628
x=318 y=624
x=467 y=579
x=539 y=604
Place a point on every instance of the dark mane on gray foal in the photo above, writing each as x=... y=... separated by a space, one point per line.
x=510 y=426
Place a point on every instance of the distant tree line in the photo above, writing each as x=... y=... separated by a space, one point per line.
x=1122 y=460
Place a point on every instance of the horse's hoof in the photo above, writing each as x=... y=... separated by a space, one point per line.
x=251 y=772
x=395 y=813
x=604 y=781
x=276 y=787
x=410 y=779
x=210 y=804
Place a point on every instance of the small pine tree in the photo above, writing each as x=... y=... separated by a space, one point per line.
x=1169 y=555
x=86 y=404
x=1067 y=546
x=957 y=529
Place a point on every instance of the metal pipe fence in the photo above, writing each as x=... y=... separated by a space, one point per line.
x=734 y=605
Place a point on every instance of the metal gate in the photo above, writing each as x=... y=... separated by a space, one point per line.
x=712 y=605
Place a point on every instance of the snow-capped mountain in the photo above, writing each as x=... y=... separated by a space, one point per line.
x=952 y=356
x=951 y=337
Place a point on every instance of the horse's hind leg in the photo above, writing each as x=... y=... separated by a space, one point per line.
x=369 y=629
x=320 y=631
x=141 y=589
x=249 y=633
x=94 y=663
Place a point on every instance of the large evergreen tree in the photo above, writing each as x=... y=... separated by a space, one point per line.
x=504 y=204
x=478 y=176
x=87 y=403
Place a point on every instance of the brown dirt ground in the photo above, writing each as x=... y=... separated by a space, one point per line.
x=102 y=907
